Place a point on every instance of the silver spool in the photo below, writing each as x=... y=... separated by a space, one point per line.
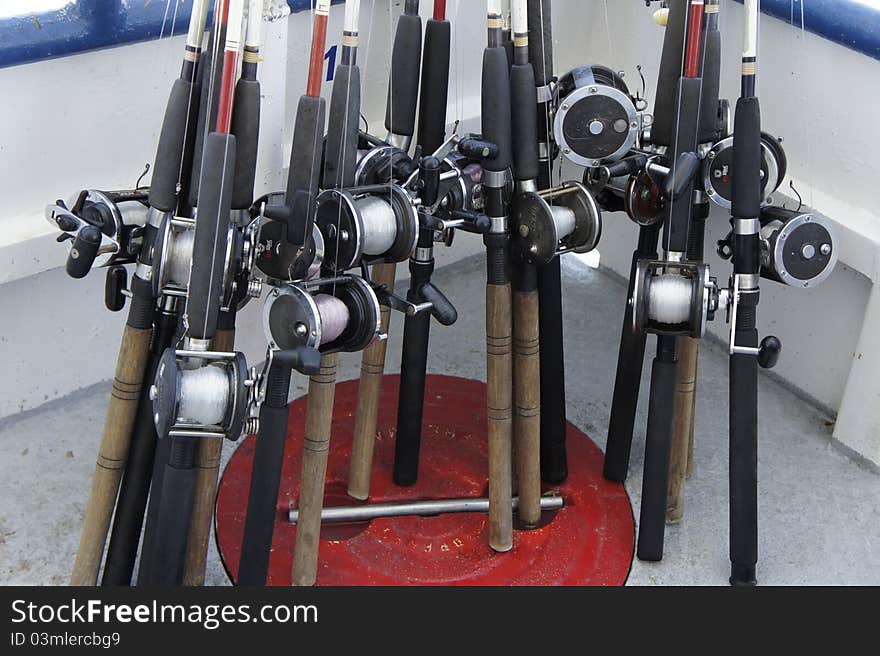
x=204 y=396
x=565 y=221
x=378 y=225
x=669 y=299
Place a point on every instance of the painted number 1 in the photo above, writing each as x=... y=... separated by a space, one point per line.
x=330 y=57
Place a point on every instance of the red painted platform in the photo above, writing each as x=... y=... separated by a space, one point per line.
x=588 y=542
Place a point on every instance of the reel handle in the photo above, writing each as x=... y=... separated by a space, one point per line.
x=627 y=166
x=442 y=308
x=478 y=224
x=477 y=149
x=769 y=352
x=681 y=175
x=115 y=288
x=304 y=359
x=84 y=251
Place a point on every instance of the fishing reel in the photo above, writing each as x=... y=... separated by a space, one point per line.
x=673 y=298
x=104 y=228
x=277 y=258
x=173 y=253
x=330 y=316
x=557 y=221
x=596 y=120
x=201 y=394
x=798 y=249
x=374 y=223
x=718 y=169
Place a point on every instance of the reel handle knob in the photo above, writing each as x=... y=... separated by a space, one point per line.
x=477 y=149
x=678 y=180
x=443 y=310
x=84 y=251
x=627 y=166
x=429 y=180
x=769 y=352
x=304 y=359
x=478 y=224
x=114 y=288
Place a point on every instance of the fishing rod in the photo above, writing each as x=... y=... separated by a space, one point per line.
x=298 y=350
x=417 y=327
x=113 y=229
x=188 y=380
x=400 y=121
x=554 y=467
x=496 y=117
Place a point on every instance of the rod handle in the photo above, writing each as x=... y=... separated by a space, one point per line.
x=403 y=90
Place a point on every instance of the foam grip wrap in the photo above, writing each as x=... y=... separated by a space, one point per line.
x=541 y=40
x=524 y=119
x=340 y=159
x=744 y=453
x=265 y=480
x=172 y=525
x=435 y=85
x=496 y=107
x=212 y=235
x=206 y=104
x=671 y=63
x=679 y=211
x=305 y=164
x=413 y=364
x=246 y=128
x=746 y=180
x=658 y=442
x=711 y=75
x=403 y=91
x=172 y=138
x=554 y=460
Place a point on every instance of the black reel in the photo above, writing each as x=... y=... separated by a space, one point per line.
x=103 y=227
x=799 y=249
x=673 y=298
x=200 y=394
x=717 y=170
x=376 y=223
x=596 y=121
x=550 y=223
x=280 y=260
x=340 y=315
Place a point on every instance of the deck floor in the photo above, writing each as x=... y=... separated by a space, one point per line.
x=819 y=509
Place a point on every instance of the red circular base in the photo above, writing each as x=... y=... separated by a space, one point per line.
x=588 y=542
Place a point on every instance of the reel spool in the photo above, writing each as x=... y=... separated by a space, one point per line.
x=367 y=224
x=799 y=249
x=281 y=261
x=643 y=200
x=596 y=120
x=200 y=394
x=673 y=298
x=383 y=164
x=173 y=254
x=557 y=221
x=344 y=317
x=116 y=215
x=718 y=169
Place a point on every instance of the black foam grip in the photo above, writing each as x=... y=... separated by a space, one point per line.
x=340 y=159
x=435 y=86
x=246 y=128
x=84 y=251
x=746 y=175
x=658 y=445
x=140 y=310
x=134 y=490
x=711 y=75
x=172 y=520
x=170 y=152
x=211 y=236
x=744 y=453
x=497 y=259
x=414 y=361
x=554 y=461
x=627 y=166
x=671 y=64
x=541 y=40
x=145 y=566
x=207 y=115
x=265 y=480
x=403 y=90
x=678 y=212
x=524 y=122
x=496 y=107
x=304 y=176
x=628 y=380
